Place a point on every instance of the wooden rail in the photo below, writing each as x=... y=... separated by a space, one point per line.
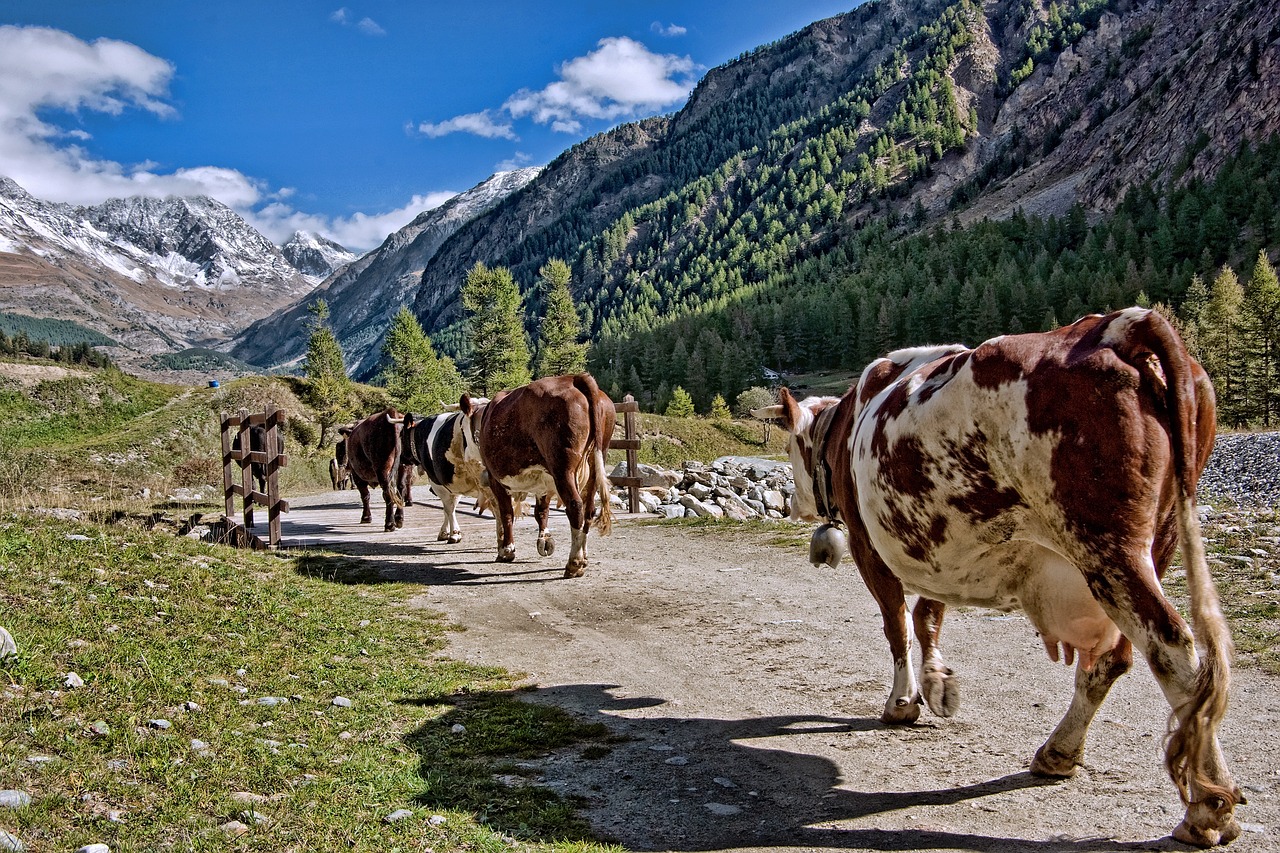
x=240 y=534
x=628 y=408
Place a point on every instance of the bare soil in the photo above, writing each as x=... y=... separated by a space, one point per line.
x=744 y=688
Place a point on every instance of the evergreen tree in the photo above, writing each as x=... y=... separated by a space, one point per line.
x=328 y=386
x=1260 y=313
x=416 y=378
x=499 y=354
x=681 y=405
x=719 y=409
x=1221 y=348
x=559 y=349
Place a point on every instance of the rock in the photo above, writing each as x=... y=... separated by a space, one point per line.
x=160 y=724
x=673 y=510
x=11 y=842
x=696 y=506
x=8 y=646
x=458 y=729
x=255 y=818
x=721 y=809
x=398 y=815
x=700 y=491
x=14 y=799
x=94 y=848
x=774 y=500
x=99 y=728
x=234 y=828
x=341 y=702
x=649 y=502
x=247 y=798
x=677 y=760
x=73 y=681
x=436 y=820
x=272 y=701
x=198 y=745
x=651 y=476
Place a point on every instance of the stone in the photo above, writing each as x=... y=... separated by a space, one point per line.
x=11 y=842
x=775 y=500
x=14 y=799
x=722 y=810
x=436 y=820
x=8 y=646
x=341 y=702
x=160 y=724
x=673 y=510
x=99 y=727
x=398 y=815
x=234 y=828
x=700 y=491
x=73 y=681
x=94 y=848
x=458 y=729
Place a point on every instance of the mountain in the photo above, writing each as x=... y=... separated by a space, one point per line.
x=865 y=128
x=314 y=256
x=157 y=275
x=365 y=295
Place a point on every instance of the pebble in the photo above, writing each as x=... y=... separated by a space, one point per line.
x=723 y=782
x=271 y=701
x=342 y=701
x=677 y=760
x=14 y=799
x=1241 y=470
x=99 y=727
x=458 y=729
x=199 y=745
x=8 y=647
x=234 y=828
x=72 y=680
x=436 y=820
x=247 y=798
x=253 y=817
x=11 y=842
x=398 y=815
x=161 y=724
x=190 y=706
x=721 y=809
x=94 y=848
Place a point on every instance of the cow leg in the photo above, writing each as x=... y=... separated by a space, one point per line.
x=940 y=687
x=449 y=530
x=1129 y=592
x=541 y=507
x=575 y=510
x=903 y=705
x=395 y=515
x=1063 y=752
x=366 y=517
x=504 y=520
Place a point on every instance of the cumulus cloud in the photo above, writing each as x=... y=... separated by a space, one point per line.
x=620 y=78
x=46 y=72
x=669 y=30
x=516 y=161
x=481 y=124
x=359 y=231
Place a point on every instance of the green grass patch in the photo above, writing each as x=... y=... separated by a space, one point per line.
x=152 y=624
x=669 y=442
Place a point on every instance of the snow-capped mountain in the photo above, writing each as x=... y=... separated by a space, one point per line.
x=315 y=256
x=154 y=274
x=366 y=294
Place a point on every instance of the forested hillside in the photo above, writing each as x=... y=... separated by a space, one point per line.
x=909 y=172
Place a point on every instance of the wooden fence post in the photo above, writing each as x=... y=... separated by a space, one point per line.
x=631 y=444
x=271 y=457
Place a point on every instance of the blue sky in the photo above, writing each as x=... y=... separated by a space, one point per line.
x=347 y=117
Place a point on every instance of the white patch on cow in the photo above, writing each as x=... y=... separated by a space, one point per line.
x=1015 y=560
x=804 y=507
x=1117 y=330
x=534 y=480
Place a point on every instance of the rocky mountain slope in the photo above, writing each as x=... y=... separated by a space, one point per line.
x=366 y=294
x=156 y=275
x=314 y=256
x=937 y=110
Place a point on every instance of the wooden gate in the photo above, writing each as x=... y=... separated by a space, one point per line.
x=239 y=533
x=631 y=444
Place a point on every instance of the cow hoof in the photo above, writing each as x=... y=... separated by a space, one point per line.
x=1053 y=764
x=505 y=558
x=1209 y=836
x=408 y=502
x=900 y=712
x=398 y=521
x=390 y=528
x=442 y=538
x=454 y=538
x=942 y=692
x=545 y=546
x=575 y=570
x=368 y=519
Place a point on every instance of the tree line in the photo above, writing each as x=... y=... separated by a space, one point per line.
x=81 y=352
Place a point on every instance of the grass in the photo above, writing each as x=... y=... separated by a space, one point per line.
x=151 y=623
x=669 y=442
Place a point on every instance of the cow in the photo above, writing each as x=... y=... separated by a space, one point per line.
x=1053 y=473
x=339 y=476
x=373 y=454
x=546 y=438
x=258 y=443
x=434 y=446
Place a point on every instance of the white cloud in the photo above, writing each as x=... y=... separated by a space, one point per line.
x=669 y=30
x=620 y=78
x=368 y=26
x=516 y=161
x=44 y=70
x=359 y=231
x=481 y=124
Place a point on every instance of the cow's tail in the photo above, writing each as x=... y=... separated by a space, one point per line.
x=1193 y=726
x=601 y=412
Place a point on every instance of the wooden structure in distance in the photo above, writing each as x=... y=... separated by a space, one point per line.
x=628 y=408
x=242 y=535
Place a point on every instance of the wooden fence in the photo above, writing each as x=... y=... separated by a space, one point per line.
x=240 y=533
x=628 y=408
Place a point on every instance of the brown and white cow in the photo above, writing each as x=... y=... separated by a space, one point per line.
x=546 y=438
x=1053 y=473
x=373 y=454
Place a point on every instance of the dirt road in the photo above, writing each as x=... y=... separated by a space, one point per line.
x=748 y=686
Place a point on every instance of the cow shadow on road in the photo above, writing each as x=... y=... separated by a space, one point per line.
x=667 y=782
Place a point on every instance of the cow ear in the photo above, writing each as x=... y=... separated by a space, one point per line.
x=791 y=409
x=464 y=404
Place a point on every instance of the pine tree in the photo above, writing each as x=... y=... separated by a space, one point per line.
x=559 y=350
x=681 y=405
x=499 y=354
x=1260 y=313
x=416 y=378
x=328 y=386
x=1221 y=348
x=719 y=409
